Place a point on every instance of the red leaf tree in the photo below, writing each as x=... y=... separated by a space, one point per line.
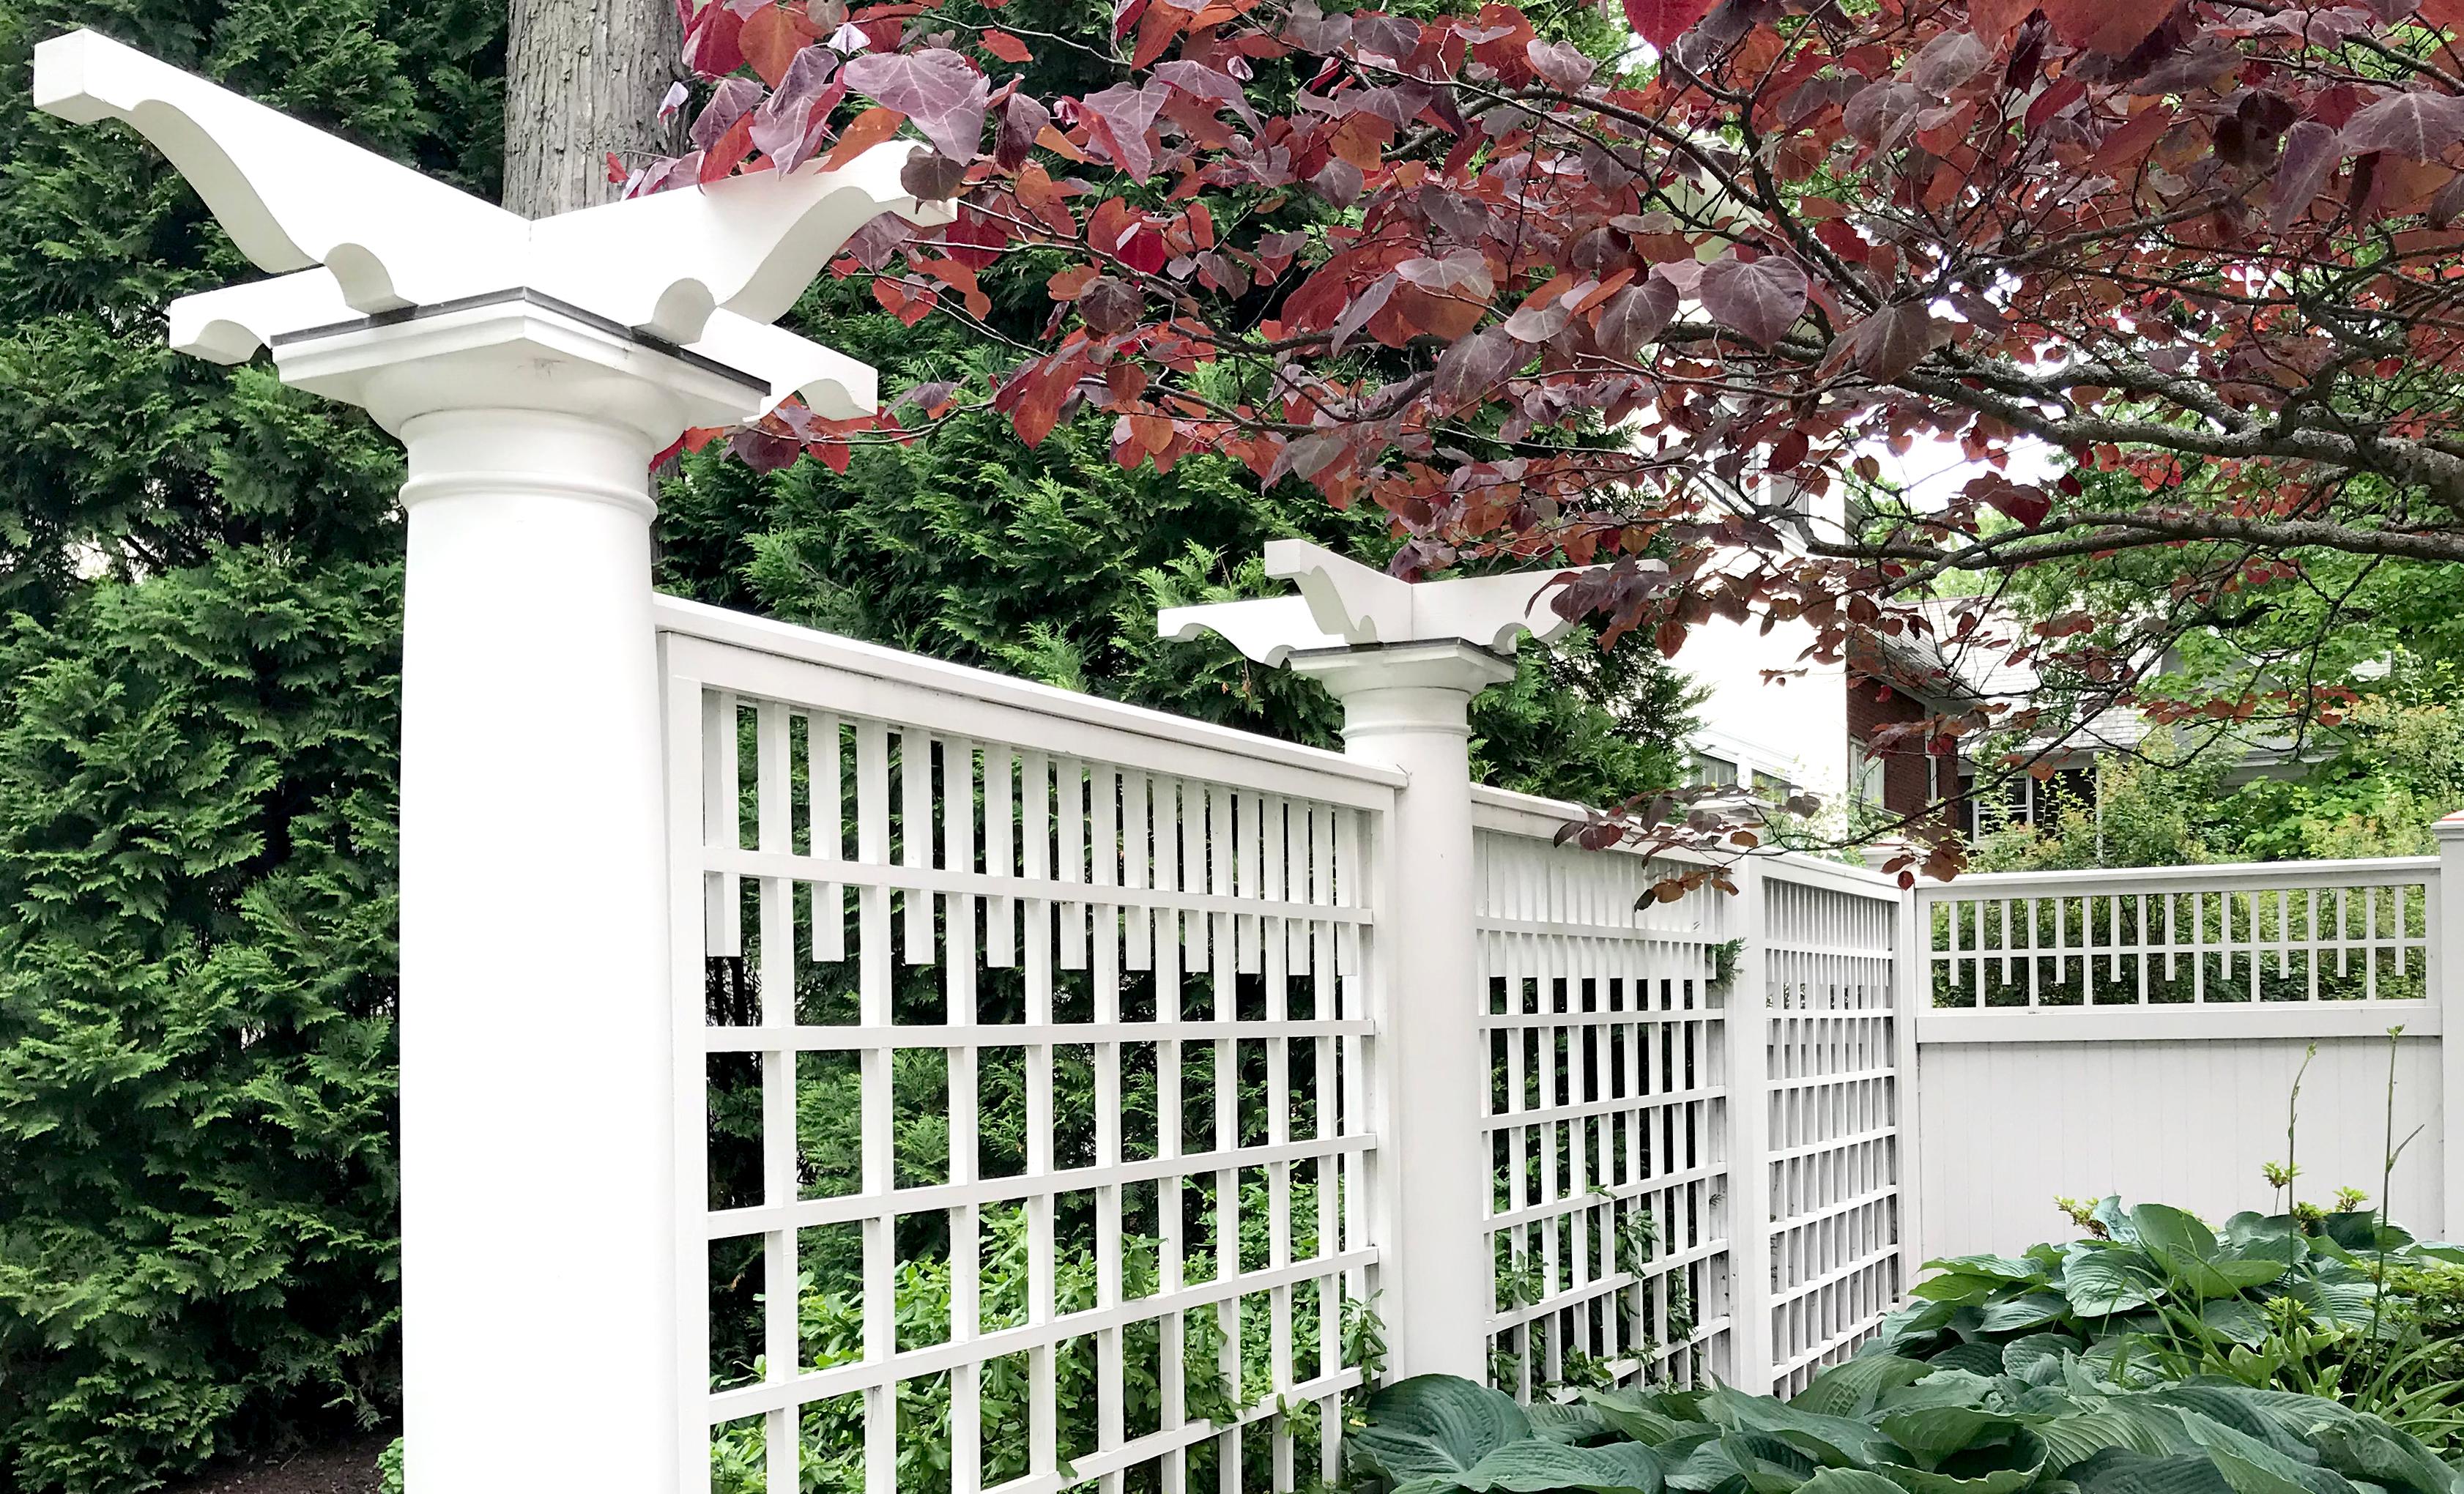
x=1668 y=303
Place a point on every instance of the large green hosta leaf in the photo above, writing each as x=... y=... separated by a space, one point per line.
x=2009 y=1268
x=2204 y=1276
x=1832 y=1441
x=1934 y=1433
x=1576 y=1423
x=1740 y=1461
x=1634 y=1417
x=2075 y=1438
x=2239 y=1408
x=2254 y=1467
x=2039 y=1358
x=2103 y=1283
x=2161 y=1226
x=2277 y=1236
x=2365 y=1447
x=2119 y=1470
x=1978 y=1356
x=1436 y=1426
x=2029 y=1310
x=1855 y=1386
x=1538 y=1466
x=1934 y=1480
x=2234 y=1319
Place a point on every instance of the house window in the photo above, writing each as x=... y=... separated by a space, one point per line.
x=1864 y=778
x=2026 y=799
x=1711 y=772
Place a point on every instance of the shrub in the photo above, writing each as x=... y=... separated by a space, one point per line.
x=1884 y=1424
x=2154 y=1294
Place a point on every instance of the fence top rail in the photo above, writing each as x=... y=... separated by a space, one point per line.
x=2226 y=876
x=1531 y=815
x=810 y=646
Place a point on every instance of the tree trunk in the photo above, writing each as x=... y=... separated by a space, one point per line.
x=584 y=77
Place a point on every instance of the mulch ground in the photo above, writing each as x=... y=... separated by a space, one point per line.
x=341 y=1469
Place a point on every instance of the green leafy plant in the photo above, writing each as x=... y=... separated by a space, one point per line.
x=2154 y=1294
x=1886 y=1424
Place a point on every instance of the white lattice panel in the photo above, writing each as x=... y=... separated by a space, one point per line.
x=1832 y=1121
x=1608 y=1230
x=2294 y=931
x=1027 y=1093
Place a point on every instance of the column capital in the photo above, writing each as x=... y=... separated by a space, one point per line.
x=517 y=350
x=2448 y=828
x=1411 y=686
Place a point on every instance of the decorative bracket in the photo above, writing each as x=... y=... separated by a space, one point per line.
x=1346 y=604
x=705 y=270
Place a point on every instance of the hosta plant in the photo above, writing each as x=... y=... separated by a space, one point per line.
x=2156 y=1294
x=1886 y=1424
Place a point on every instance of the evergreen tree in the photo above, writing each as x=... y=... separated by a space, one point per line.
x=200 y=576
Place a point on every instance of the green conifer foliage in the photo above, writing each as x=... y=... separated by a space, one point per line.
x=199 y=596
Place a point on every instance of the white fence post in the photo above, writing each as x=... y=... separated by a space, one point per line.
x=1406 y=707
x=1911 y=993
x=531 y=369
x=1748 y=1043
x=2447 y=990
x=1405 y=661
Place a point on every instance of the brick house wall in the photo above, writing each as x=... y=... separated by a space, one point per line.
x=1907 y=780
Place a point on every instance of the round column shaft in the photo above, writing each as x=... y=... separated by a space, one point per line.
x=539 y=1258
x=1406 y=706
x=540 y=1225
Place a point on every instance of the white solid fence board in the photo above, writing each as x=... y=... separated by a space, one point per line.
x=2008 y=1126
x=1183 y=922
x=2136 y=1032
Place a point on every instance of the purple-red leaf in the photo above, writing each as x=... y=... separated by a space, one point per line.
x=785 y=127
x=1200 y=82
x=1634 y=315
x=1118 y=121
x=728 y=103
x=1355 y=316
x=1462 y=274
x=2419 y=125
x=1109 y=305
x=1758 y=299
x=2310 y=155
x=1894 y=340
x=1561 y=63
x=1021 y=120
x=1469 y=370
x=1661 y=22
x=931 y=177
x=1536 y=323
x=1948 y=61
x=936 y=88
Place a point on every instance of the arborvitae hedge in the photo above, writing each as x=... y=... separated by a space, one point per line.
x=199 y=587
x=200 y=592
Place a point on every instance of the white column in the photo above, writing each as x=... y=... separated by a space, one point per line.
x=2446 y=973
x=1746 y=1042
x=1405 y=705
x=539 y=1216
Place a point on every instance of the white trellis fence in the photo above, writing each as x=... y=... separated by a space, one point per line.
x=1039 y=1090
